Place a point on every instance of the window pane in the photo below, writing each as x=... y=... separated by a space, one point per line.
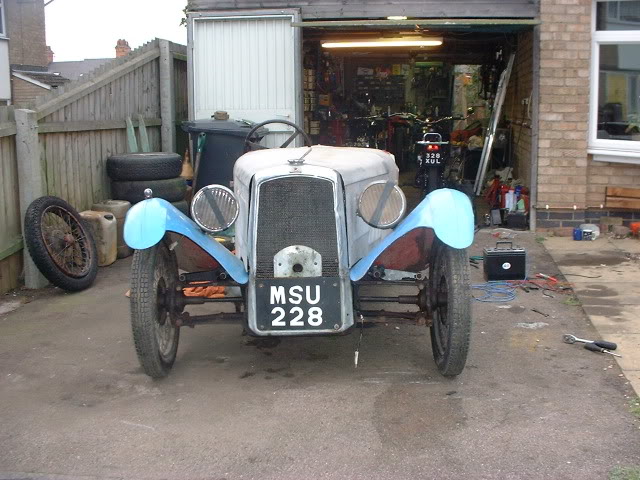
x=623 y=15
x=619 y=92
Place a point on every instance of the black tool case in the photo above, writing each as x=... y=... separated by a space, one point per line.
x=505 y=262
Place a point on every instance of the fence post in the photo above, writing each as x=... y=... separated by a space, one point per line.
x=30 y=180
x=167 y=98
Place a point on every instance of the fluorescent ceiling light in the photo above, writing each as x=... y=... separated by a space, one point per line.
x=397 y=17
x=386 y=42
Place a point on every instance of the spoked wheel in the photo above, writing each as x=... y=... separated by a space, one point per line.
x=60 y=244
x=154 y=274
x=451 y=308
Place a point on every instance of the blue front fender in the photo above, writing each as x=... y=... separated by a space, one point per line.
x=447 y=211
x=148 y=221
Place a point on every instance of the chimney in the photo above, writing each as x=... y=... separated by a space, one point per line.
x=49 y=55
x=122 y=48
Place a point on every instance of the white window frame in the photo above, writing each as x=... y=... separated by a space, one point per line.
x=3 y=21
x=605 y=150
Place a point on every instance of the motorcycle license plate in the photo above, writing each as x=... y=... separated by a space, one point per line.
x=432 y=158
x=298 y=304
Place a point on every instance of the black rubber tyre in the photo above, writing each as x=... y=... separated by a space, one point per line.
x=451 y=308
x=144 y=166
x=172 y=189
x=60 y=244
x=154 y=274
x=182 y=205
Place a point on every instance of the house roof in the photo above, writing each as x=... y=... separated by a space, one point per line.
x=46 y=78
x=75 y=69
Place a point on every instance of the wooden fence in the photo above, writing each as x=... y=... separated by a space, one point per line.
x=83 y=123
x=10 y=225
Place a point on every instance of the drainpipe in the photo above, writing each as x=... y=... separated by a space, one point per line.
x=535 y=109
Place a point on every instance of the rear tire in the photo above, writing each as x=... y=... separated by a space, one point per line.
x=154 y=274
x=144 y=166
x=451 y=308
x=171 y=190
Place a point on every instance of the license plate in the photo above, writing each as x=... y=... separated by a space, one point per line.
x=432 y=158
x=298 y=304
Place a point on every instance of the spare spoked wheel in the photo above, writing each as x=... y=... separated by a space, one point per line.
x=60 y=244
x=451 y=308
x=154 y=274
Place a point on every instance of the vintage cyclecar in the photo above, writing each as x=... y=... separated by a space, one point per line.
x=311 y=226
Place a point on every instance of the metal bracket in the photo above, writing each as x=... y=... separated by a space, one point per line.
x=297 y=261
x=387 y=274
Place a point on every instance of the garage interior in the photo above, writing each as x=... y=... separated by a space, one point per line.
x=360 y=92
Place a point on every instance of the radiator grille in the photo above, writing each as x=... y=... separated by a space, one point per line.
x=296 y=211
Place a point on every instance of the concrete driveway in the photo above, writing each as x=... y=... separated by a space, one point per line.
x=74 y=402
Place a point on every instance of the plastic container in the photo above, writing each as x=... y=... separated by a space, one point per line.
x=104 y=228
x=224 y=144
x=119 y=209
x=577 y=234
x=595 y=229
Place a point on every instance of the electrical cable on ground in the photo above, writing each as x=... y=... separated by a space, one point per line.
x=495 y=292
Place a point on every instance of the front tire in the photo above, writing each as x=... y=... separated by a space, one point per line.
x=154 y=274
x=451 y=308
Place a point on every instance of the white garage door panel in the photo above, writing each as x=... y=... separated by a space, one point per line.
x=246 y=66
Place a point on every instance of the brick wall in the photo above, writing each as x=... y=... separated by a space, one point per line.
x=517 y=114
x=26 y=31
x=565 y=51
x=567 y=175
x=24 y=93
x=601 y=174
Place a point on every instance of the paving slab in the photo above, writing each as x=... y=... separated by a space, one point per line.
x=606 y=275
x=75 y=404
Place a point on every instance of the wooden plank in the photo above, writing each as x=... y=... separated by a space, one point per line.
x=15 y=269
x=85 y=126
x=144 y=137
x=623 y=192
x=431 y=22
x=167 y=97
x=60 y=161
x=12 y=247
x=10 y=270
x=622 y=202
x=5 y=276
x=7 y=207
x=382 y=8
x=7 y=129
x=96 y=182
x=45 y=148
x=94 y=84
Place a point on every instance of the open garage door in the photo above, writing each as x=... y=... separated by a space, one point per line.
x=248 y=65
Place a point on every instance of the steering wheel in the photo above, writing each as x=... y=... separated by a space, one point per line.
x=249 y=144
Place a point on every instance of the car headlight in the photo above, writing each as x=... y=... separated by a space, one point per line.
x=382 y=204
x=214 y=208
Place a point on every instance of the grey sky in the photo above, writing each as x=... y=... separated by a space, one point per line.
x=79 y=29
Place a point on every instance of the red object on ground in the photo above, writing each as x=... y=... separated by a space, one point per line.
x=635 y=228
x=492 y=194
x=547 y=277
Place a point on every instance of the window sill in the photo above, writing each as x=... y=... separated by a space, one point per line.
x=613 y=156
